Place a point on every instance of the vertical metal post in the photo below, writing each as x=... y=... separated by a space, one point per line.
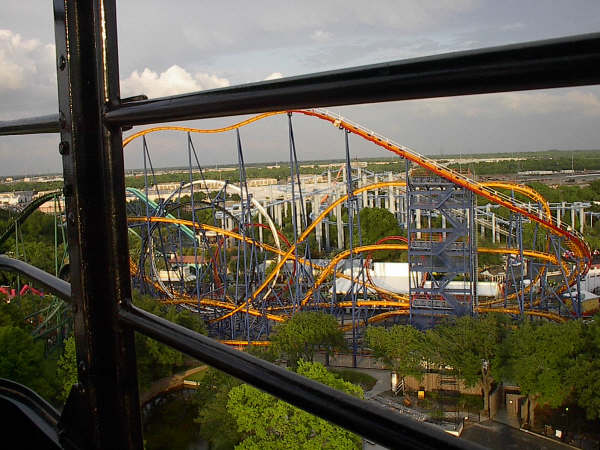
x=408 y=222
x=295 y=226
x=350 y=205
x=105 y=403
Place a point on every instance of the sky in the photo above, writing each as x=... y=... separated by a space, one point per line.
x=188 y=45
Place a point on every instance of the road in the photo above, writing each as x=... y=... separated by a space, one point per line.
x=495 y=435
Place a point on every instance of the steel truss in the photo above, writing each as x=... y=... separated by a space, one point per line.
x=437 y=254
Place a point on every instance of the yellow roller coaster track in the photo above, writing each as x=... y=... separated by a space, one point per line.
x=575 y=242
x=325 y=270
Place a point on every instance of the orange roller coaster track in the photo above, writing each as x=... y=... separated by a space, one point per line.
x=542 y=216
x=401 y=301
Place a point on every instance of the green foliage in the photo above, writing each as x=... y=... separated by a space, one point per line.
x=217 y=425
x=156 y=360
x=35 y=244
x=305 y=333
x=400 y=347
x=472 y=347
x=31 y=186
x=585 y=373
x=171 y=426
x=465 y=343
x=548 y=160
x=23 y=360
x=542 y=356
x=22 y=311
x=269 y=423
x=364 y=380
x=67 y=368
x=376 y=223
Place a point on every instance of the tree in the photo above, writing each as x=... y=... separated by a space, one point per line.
x=67 y=368
x=585 y=373
x=21 y=311
x=217 y=425
x=156 y=360
x=542 y=356
x=23 y=360
x=400 y=347
x=270 y=423
x=377 y=223
x=304 y=333
x=470 y=345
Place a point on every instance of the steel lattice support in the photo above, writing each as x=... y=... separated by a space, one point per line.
x=438 y=255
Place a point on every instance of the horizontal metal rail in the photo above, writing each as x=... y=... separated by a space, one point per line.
x=370 y=421
x=552 y=63
x=55 y=285
x=570 y=61
x=31 y=125
x=35 y=408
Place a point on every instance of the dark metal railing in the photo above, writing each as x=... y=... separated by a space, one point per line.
x=18 y=402
x=31 y=125
x=105 y=403
x=564 y=62
x=55 y=285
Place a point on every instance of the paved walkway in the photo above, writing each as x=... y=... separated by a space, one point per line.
x=502 y=416
x=168 y=384
x=495 y=435
x=491 y=434
x=383 y=384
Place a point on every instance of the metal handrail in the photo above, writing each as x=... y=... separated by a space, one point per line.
x=54 y=284
x=562 y=62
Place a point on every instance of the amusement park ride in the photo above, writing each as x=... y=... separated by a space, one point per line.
x=241 y=300
x=229 y=282
x=231 y=263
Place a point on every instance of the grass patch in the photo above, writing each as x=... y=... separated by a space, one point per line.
x=362 y=379
x=196 y=376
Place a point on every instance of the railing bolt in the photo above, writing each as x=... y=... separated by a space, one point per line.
x=62 y=62
x=62 y=120
x=63 y=148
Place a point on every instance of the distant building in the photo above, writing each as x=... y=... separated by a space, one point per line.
x=15 y=198
x=256 y=182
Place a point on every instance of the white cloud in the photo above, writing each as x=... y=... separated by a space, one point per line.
x=512 y=26
x=580 y=101
x=526 y=104
x=25 y=62
x=274 y=76
x=175 y=80
x=320 y=35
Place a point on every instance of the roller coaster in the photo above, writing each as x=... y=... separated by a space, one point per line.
x=213 y=248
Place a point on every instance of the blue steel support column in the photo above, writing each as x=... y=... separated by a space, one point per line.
x=244 y=205
x=296 y=294
x=190 y=148
x=350 y=206
x=408 y=222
